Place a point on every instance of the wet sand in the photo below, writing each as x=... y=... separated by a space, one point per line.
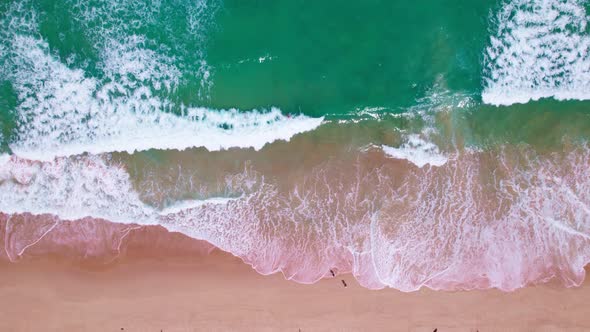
x=217 y=292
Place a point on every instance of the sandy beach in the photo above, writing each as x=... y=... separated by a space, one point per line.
x=186 y=291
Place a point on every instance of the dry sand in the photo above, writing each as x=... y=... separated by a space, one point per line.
x=220 y=293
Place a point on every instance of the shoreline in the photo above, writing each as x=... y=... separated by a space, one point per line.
x=98 y=244
x=218 y=292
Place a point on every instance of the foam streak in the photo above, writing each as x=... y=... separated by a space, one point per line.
x=540 y=49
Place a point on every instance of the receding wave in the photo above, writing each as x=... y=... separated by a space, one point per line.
x=89 y=240
x=502 y=218
x=539 y=49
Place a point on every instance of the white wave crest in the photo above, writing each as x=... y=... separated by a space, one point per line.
x=417 y=151
x=541 y=49
x=79 y=187
x=63 y=112
x=71 y=188
x=191 y=204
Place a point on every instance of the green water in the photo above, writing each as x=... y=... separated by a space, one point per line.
x=318 y=58
x=333 y=56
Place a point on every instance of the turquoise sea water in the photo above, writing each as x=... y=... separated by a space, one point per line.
x=196 y=114
x=328 y=59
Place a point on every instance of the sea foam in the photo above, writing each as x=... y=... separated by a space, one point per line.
x=71 y=188
x=457 y=226
x=63 y=110
x=4 y=158
x=540 y=49
x=504 y=218
x=191 y=204
x=417 y=151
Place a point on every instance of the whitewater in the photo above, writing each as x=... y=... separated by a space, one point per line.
x=539 y=49
x=64 y=111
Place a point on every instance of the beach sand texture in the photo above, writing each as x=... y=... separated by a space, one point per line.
x=149 y=291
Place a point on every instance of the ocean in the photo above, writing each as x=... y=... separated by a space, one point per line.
x=439 y=144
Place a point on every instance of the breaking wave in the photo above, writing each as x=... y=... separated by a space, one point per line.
x=539 y=49
x=64 y=111
x=417 y=151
